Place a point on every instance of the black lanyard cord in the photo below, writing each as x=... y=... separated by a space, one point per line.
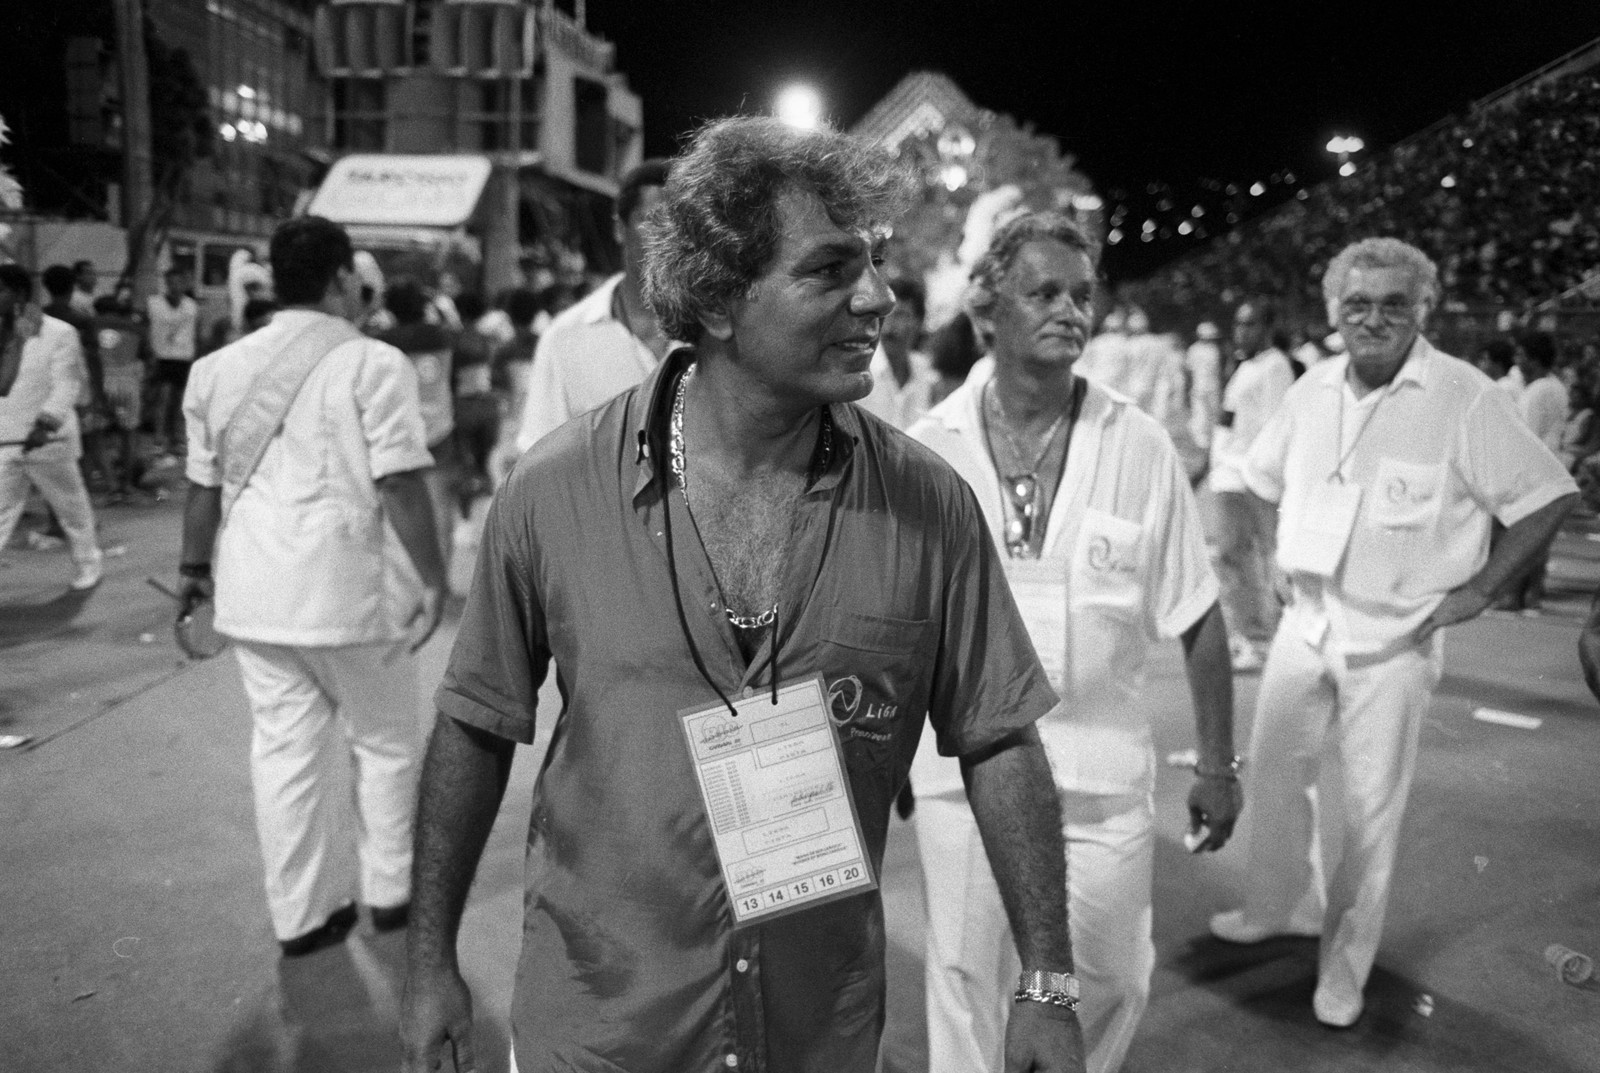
x=677 y=600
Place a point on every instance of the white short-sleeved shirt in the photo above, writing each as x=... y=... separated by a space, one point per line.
x=900 y=404
x=1252 y=395
x=1124 y=490
x=585 y=357
x=174 y=329
x=48 y=381
x=1443 y=451
x=307 y=556
x=1544 y=404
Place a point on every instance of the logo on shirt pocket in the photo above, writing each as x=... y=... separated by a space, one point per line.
x=1406 y=495
x=1106 y=566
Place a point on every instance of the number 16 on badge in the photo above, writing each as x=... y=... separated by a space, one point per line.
x=778 y=799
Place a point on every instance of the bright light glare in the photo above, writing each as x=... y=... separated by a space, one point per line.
x=1256 y=189
x=247 y=92
x=1345 y=143
x=1087 y=203
x=1448 y=181
x=1347 y=169
x=954 y=176
x=800 y=106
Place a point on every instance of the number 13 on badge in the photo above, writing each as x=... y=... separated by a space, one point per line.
x=778 y=800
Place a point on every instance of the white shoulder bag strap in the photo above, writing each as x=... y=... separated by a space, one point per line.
x=258 y=418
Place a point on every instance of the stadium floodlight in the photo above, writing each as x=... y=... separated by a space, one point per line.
x=1345 y=144
x=799 y=105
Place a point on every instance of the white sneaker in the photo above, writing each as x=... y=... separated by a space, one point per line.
x=1336 y=1011
x=1231 y=927
x=89 y=574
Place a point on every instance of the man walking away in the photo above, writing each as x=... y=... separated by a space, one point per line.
x=306 y=456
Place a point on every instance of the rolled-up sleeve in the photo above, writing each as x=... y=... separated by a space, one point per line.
x=1504 y=465
x=987 y=680
x=391 y=411
x=502 y=650
x=1183 y=585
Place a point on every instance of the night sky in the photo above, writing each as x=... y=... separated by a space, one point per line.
x=1140 y=93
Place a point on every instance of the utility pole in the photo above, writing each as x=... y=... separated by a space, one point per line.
x=138 y=183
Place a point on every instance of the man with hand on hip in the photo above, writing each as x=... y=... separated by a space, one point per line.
x=1387 y=464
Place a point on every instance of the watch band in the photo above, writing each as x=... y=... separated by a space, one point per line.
x=1231 y=772
x=1050 y=988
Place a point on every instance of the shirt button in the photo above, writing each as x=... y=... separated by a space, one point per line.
x=740 y=966
x=731 y=1061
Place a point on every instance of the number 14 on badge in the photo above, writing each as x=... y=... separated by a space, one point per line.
x=778 y=799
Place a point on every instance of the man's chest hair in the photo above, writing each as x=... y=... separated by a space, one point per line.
x=745 y=526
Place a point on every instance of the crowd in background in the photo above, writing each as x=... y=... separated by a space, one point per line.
x=1507 y=200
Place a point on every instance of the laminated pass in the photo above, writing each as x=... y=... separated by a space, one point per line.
x=778 y=799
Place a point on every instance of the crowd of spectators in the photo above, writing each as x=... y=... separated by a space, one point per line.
x=1506 y=199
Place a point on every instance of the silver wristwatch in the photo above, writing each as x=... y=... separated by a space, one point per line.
x=1051 y=988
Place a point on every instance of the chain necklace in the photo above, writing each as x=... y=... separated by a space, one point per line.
x=1031 y=469
x=1022 y=490
x=677 y=458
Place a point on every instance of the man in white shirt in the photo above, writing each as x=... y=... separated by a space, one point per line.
x=1544 y=400
x=39 y=441
x=173 y=320
x=606 y=343
x=1087 y=498
x=328 y=578
x=1543 y=403
x=1245 y=527
x=1203 y=368
x=903 y=377
x=1387 y=466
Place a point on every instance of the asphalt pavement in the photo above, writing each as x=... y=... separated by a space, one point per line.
x=134 y=932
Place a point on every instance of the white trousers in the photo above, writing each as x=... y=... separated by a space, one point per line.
x=334 y=762
x=1246 y=544
x=971 y=960
x=1367 y=716
x=57 y=477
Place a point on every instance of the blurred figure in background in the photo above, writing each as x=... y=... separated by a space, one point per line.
x=1202 y=364
x=173 y=318
x=477 y=407
x=39 y=442
x=609 y=341
x=1246 y=527
x=954 y=349
x=429 y=348
x=902 y=375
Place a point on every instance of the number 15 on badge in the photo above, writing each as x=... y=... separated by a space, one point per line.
x=776 y=794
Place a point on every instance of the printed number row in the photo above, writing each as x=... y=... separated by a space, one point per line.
x=801 y=889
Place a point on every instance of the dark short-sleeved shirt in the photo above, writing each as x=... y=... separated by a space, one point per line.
x=893 y=593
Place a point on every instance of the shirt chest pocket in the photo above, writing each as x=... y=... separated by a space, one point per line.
x=1108 y=565
x=1405 y=495
x=876 y=670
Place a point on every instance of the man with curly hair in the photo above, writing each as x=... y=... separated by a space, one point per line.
x=733 y=529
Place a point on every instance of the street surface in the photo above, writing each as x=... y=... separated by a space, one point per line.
x=134 y=933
